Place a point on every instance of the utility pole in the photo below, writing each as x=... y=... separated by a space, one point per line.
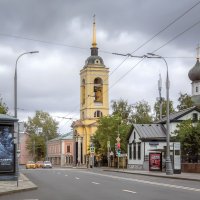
x=160 y=97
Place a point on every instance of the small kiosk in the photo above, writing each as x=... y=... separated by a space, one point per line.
x=8 y=147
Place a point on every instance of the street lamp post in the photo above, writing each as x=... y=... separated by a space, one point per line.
x=15 y=106
x=169 y=170
x=15 y=79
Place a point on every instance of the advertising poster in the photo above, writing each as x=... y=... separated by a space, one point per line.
x=155 y=161
x=7 y=151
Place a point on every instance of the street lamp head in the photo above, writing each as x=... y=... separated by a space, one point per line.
x=34 y=52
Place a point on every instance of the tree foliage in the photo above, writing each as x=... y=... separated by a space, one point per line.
x=164 y=108
x=141 y=113
x=37 y=140
x=3 y=107
x=188 y=134
x=122 y=109
x=185 y=101
x=108 y=130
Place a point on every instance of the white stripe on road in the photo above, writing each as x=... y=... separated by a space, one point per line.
x=146 y=182
x=66 y=175
x=95 y=183
x=77 y=178
x=129 y=191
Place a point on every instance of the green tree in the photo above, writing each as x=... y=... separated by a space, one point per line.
x=141 y=113
x=164 y=108
x=37 y=141
x=185 y=101
x=108 y=130
x=3 y=107
x=188 y=134
x=121 y=108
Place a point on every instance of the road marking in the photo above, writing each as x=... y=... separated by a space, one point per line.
x=66 y=175
x=146 y=182
x=129 y=191
x=77 y=178
x=95 y=183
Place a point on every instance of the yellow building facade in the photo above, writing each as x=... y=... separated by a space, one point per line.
x=94 y=101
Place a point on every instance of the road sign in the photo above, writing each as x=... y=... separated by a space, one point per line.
x=92 y=149
x=118 y=139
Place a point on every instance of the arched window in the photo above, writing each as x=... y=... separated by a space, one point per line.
x=83 y=91
x=98 y=90
x=98 y=113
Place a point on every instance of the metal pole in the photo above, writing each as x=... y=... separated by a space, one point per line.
x=169 y=170
x=15 y=108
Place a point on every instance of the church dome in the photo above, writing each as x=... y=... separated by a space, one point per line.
x=94 y=59
x=194 y=73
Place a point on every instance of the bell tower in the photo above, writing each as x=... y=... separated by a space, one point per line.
x=93 y=99
x=94 y=85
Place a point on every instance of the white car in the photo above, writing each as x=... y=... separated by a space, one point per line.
x=47 y=164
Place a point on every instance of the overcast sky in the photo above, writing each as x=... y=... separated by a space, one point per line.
x=61 y=31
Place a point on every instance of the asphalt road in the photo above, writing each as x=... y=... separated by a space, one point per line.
x=95 y=184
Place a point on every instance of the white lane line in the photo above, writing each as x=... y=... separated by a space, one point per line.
x=77 y=178
x=66 y=175
x=95 y=183
x=146 y=182
x=129 y=191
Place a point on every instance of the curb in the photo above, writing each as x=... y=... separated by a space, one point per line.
x=24 y=185
x=155 y=175
x=18 y=190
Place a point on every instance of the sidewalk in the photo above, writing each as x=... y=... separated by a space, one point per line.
x=182 y=176
x=7 y=187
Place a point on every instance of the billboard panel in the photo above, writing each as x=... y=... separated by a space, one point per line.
x=155 y=161
x=7 y=150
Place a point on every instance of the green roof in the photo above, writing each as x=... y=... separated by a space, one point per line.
x=66 y=136
x=4 y=117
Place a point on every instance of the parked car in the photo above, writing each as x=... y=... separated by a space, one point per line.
x=47 y=164
x=39 y=164
x=30 y=165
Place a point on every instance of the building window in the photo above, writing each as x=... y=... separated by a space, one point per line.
x=139 y=151
x=68 y=148
x=83 y=91
x=195 y=117
x=130 y=151
x=197 y=89
x=134 y=151
x=134 y=135
x=98 y=113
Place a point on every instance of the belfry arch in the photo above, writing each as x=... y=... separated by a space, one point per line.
x=98 y=90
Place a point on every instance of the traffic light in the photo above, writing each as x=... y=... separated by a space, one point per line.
x=118 y=145
x=119 y=152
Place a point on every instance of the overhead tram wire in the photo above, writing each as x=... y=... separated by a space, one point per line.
x=49 y=42
x=178 y=35
x=155 y=35
x=166 y=27
x=130 y=54
x=143 y=57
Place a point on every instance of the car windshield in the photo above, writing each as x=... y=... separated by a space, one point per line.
x=47 y=162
